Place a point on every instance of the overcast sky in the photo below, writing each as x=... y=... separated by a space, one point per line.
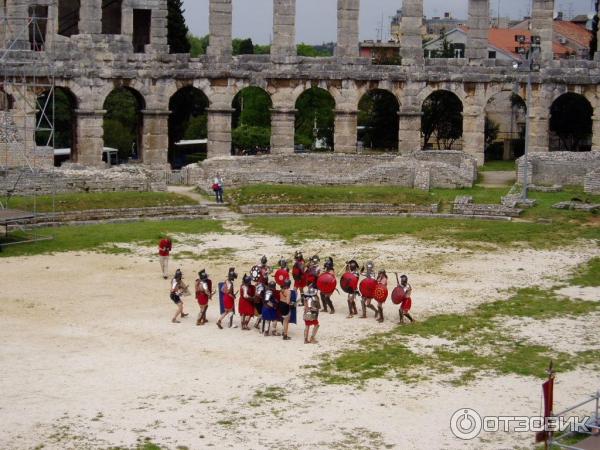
x=316 y=19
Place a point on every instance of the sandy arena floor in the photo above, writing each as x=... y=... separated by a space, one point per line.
x=89 y=358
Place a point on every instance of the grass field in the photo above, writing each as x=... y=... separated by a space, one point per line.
x=477 y=343
x=101 y=237
x=496 y=166
x=99 y=200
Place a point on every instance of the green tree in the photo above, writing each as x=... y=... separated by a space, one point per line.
x=243 y=47
x=310 y=51
x=177 y=30
x=252 y=107
x=492 y=130
x=442 y=119
x=571 y=120
x=246 y=137
x=198 y=45
x=314 y=103
x=63 y=119
x=262 y=49
x=188 y=118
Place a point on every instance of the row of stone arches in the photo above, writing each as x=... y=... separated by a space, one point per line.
x=377 y=129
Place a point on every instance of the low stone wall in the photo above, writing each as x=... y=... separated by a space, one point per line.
x=465 y=206
x=591 y=182
x=563 y=168
x=125 y=214
x=423 y=170
x=338 y=209
x=79 y=179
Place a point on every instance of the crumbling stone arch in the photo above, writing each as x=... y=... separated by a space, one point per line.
x=251 y=121
x=442 y=121
x=571 y=123
x=505 y=119
x=378 y=125
x=315 y=129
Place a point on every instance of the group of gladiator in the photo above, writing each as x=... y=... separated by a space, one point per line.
x=265 y=294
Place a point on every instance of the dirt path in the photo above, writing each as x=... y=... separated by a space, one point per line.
x=89 y=358
x=498 y=179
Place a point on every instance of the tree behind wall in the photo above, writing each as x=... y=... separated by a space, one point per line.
x=177 y=30
x=442 y=119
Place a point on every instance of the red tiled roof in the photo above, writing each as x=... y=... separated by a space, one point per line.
x=573 y=32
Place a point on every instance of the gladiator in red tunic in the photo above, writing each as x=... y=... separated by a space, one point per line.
x=204 y=293
x=246 y=305
x=298 y=275
x=228 y=296
x=381 y=294
x=406 y=303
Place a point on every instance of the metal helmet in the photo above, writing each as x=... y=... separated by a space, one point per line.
x=370 y=265
x=247 y=279
x=178 y=274
x=352 y=265
x=315 y=259
x=311 y=292
x=403 y=279
x=272 y=285
x=263 y=260
x=328 y=264
x=203 y=275
x=298 y=255
x=231 y=275
x=283 y=263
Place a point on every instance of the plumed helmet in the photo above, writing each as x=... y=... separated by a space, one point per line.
x=231 y=275
x=247 y=279
x=283 y=263
x=352 y=265
x=298 y=255
x=263 y=260
x=328 y=264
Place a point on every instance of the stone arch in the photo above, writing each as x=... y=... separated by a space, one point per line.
x=442 y=121
x=505 y=118
x=454 y=88
x=378 y=122
x=571 y=123
x=301 y=88
x=123 y=122
x=188 y=121
x=251 y=110
x=64 y=123
x=315 y=106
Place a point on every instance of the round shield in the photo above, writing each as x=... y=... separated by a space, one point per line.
x=255 y=273
x=398 y=295
x=367 y=287
x=281 y=276
x=326 y=283
x=349 y=283
x=380 y=293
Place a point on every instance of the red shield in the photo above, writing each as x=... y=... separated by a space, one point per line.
x=367 y=287
x=380 y=293
x=297 y=272
x=398 y=295
x=281 y=276
x=326 y=283
x=310 y=277
x=251 y=291
x=349 y=283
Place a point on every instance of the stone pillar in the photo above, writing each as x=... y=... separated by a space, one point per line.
x=411 y=41
x=17 y=12
x=282 y=130
x=220 y=29
x=90 y=17
x=219 y=132
x=344 y=140
x=596 y=132
x=479 y=28
x=283 y=49
x=155 y=137
x=409 y=130
x=542 y=23
x=539 y=119
x=474 y=135
x=89 y=137
x=158 y=32
x=347 y=29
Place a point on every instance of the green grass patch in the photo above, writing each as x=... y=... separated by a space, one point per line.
x=102 y=237
x=98 y=200
x=458 y=232
x=498 y=166
x=588 y=274
x=476 y=343
x=545 y=200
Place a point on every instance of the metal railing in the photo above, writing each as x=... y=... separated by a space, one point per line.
x=593 y=426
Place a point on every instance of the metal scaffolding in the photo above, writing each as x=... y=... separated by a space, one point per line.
x=27 y=108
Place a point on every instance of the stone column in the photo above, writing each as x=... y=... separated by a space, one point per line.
x=409 y=130
x=542 y=23
x=283 y=49
x=411 y=41
x=219 y=132
x=479 y=26
x=220 y=29
x=158 y=32
x=539 y=119
x=17 y=12
x=474 y=135
x=596 y=132
x=90 y=17
x=344 y=139
x=347 y=29
x=155 y=137
x=89 y=137
x=282 y=130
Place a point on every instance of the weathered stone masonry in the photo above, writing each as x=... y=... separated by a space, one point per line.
x=91 y=64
